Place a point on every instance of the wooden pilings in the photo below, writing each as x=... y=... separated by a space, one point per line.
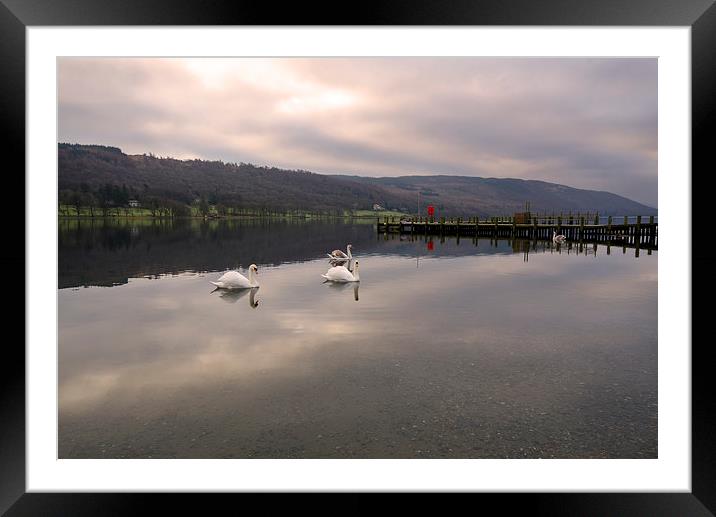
x=639 y=233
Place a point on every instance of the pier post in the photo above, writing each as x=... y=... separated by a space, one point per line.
x=652 y=232
x=637 y=237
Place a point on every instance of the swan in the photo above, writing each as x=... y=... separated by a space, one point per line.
x=343 y=262
x=342 y=274
x=235 y=280
x=338 y=254
x=558 y=238
x=338 y=262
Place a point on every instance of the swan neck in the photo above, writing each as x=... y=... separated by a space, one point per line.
x=355 y=274
x=252 y=278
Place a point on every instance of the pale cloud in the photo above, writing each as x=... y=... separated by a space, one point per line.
x=588 y=123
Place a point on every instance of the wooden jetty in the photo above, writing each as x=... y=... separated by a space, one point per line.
x=642 y=232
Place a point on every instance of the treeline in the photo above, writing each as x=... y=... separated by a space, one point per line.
x=109 y=251
x=223 y=186
x=114 y=200
x=111 y=199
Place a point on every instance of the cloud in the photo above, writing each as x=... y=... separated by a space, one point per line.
x=588 y=123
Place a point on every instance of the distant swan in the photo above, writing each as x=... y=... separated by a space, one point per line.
x=342 y=274
x=338 y=254
x=558 y=238
x=235 y=280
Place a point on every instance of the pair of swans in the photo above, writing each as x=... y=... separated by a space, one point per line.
x=558 y=239
x=339 y=272
x=339 y=258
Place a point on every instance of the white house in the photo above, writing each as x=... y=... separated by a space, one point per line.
x=133 y=203
x=376 y=206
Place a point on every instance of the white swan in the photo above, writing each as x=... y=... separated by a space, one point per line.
x=235 y=280
x=558 y=238
x=342 y=274
x=338 y=254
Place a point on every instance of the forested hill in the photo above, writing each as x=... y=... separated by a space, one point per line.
x=505 y=195
x=92 y=171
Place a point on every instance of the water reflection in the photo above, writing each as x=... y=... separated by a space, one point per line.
x=233 y=295
x=344 y=286
x=110 y=252
x=476 y=353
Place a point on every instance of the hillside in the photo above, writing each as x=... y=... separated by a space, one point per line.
x=486 y=196
x=90 y=170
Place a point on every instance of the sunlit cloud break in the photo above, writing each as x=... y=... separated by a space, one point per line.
x=584 y=122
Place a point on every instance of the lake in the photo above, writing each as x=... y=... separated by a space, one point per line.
x=446 y=349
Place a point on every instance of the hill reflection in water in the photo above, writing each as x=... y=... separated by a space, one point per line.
x=106 y=252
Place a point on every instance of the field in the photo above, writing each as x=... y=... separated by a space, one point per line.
x=373 y=213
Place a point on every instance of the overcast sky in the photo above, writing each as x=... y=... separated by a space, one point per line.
x=587 y=123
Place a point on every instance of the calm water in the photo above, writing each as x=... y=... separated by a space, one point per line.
x=446 y=349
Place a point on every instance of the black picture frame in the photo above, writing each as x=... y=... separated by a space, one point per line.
x=700 y=15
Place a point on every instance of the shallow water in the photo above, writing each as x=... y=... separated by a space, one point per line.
x=445 y=349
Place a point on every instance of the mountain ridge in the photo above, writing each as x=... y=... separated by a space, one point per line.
x=89 y=168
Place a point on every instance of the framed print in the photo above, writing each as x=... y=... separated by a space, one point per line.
x=415 y=251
